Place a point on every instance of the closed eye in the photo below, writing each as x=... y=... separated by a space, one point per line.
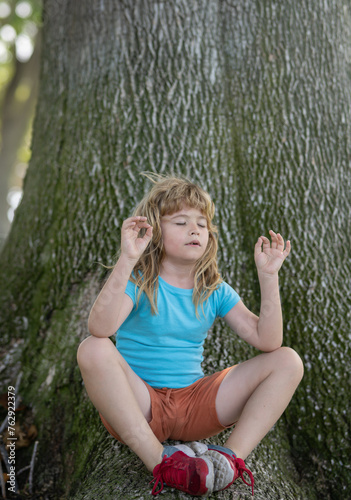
x=184 y=223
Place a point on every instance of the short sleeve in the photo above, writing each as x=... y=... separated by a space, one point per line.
x=227 y=299
x=131 y=291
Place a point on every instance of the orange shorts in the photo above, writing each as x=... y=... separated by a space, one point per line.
x=186 y=414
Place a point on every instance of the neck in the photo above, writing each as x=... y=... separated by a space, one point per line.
x=178 y=275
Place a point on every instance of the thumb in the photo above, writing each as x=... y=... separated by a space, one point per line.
x=258 y=247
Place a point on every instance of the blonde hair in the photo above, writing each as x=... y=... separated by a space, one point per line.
x=167 y=196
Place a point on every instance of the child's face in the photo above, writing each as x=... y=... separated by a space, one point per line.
x=185 y=235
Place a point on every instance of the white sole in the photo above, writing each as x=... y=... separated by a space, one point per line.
x=223 y=473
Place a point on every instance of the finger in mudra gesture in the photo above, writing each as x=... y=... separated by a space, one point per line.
x=270 y=255
x=131 y=244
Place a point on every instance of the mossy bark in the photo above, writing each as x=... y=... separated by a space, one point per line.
x=251 y=100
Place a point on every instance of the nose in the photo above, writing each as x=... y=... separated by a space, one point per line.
x=194 y=230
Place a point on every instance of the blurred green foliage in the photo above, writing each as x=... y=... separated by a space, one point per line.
x=24 y=17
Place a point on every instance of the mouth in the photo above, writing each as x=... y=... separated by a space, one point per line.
x=194 y=243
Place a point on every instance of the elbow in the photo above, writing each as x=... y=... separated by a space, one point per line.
x=92 y=330
x=272 y=346
x=91 y=327
x=96 y=330
x=270 y=343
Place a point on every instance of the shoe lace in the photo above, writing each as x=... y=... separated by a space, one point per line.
x=240 y=465
x=171 y=472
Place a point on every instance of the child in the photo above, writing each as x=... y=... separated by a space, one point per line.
x=162 y=297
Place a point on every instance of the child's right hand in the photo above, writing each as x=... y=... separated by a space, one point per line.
x=133 y=247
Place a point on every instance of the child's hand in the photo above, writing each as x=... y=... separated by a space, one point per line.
x=269 y=257
x=132 y=246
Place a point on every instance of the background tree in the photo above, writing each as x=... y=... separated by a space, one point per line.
x=251 y=100
x=20 y=21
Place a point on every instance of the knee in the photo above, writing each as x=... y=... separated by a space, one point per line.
x=290 y=361
x=92 y=351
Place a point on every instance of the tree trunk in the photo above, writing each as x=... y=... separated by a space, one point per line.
x=252 y=101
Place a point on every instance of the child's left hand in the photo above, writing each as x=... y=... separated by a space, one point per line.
x=269 y=257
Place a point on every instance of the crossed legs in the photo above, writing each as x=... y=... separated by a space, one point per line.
x=254 y=393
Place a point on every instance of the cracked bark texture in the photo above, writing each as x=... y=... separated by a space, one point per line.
x=250 y=99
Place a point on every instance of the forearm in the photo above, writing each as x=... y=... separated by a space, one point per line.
x=270 y=323
x=103 y=318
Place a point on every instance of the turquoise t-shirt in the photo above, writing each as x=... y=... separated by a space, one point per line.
x=166 y=349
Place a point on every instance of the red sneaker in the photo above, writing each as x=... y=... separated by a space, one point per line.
x=193 y=475
x=227 y=467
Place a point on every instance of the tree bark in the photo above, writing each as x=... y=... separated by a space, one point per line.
x=252 y=101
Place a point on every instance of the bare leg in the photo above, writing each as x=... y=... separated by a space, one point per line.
x=256 y=393
x=120 y=396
